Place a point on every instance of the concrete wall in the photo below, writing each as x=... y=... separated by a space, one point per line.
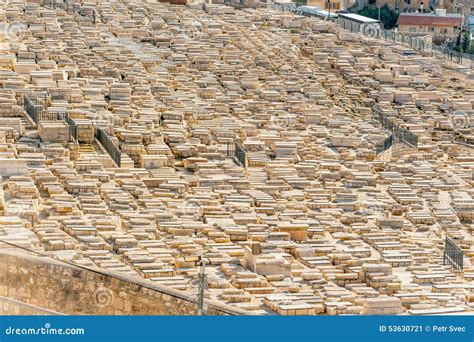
x=68 y=289
x=53 y=131
x=323 y=4
x=13 y=167
x=14 y=123
x=14 y=307
x=437 y=31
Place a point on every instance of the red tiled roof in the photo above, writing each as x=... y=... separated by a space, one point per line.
x=428 y=20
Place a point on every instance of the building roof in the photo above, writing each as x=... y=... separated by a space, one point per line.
x=357 y=18
x=429 y=20
x=316 y=11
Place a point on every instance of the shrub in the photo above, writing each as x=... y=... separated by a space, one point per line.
x=388 y=17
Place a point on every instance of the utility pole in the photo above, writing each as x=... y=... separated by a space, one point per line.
x=329 y=9
x=202 y=286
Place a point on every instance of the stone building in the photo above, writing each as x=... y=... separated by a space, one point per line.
x=438 y=25
x=452 y=6
x=333 y=5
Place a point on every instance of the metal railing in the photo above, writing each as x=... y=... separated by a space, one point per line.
x=72 y=128
x=69 y=7
x=384 y=145
x=39 y=112
x=399 y=133
x=240 y=155
x=36 y=106
x=453 y=254
x=31 y=109
x=109 y=146
x=51 y=3
x=405 y=136
x=418 y=43
x=230 y=148
x=235 y=151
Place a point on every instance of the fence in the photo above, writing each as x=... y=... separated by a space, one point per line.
x=70 y=8
x=404 y=135
x=72 y=128
x=39 y=112
x=291 y=7
x=237 y=152
x=36 y=106
x=31 y=109
x=36 y=114
x=384 y=144
x=417 y=43
x=240 y=155
x=109 y=146
x=453 y=255
x=399 y=133
x=53 y=4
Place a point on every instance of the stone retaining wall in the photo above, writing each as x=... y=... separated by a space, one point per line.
x=10 y=306
x=68 y=289
x=13 y=167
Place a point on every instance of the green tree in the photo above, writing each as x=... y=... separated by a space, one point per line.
x=466 y=41
x=462 y=42
x=388 y=17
